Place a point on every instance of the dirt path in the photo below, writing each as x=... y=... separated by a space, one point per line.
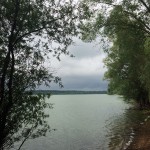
x=141 y=140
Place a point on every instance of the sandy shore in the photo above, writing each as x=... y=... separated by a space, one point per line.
x=141 y=139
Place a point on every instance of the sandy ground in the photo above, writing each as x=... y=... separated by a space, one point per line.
x=141 y=139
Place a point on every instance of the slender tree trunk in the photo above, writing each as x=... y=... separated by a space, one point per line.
x=2 y=100
x=4 y=71
x=8 y=70
x=6 y=106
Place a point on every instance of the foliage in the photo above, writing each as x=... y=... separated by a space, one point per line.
x=26 y=119
x=126 y=24
x=125 y=60
x=29 y=31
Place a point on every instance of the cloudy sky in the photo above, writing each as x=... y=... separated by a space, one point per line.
x=83 y=72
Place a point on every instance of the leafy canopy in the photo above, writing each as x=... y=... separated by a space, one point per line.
x=29 y=31
x=126 y=25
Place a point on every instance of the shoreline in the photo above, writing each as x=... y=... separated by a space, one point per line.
x=140 y=139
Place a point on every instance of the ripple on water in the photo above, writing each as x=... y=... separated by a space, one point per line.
x=121 y=128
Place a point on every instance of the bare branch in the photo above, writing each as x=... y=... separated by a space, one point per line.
x=145 y=5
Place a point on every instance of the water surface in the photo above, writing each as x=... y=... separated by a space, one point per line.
x=86 y=122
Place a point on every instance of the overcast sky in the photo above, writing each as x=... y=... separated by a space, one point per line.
x=83 y=72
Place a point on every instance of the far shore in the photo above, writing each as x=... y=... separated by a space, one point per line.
x=67 y=92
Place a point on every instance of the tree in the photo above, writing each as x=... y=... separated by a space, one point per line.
x=126 y=26
x=29 y=31
x=126 y=59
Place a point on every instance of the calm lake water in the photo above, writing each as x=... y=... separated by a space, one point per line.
x=87 y=122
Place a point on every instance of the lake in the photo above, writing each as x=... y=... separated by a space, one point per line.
x=87 y=122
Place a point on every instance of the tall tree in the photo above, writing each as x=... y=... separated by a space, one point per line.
x=126 y=25
x=29 y=31
x=126 y=58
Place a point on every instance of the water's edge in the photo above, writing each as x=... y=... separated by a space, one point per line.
x=134 y=132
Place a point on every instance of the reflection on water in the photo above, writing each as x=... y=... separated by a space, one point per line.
x=121 y=128
x=87 y=122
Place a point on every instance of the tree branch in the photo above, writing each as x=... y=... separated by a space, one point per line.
x=34 y=31
x=146 y=6
x=147 y=28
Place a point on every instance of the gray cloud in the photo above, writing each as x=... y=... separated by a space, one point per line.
x=85 y=50
x=85 y=83
x=85 y=71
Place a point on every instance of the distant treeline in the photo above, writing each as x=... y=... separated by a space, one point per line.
x=57 y=92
